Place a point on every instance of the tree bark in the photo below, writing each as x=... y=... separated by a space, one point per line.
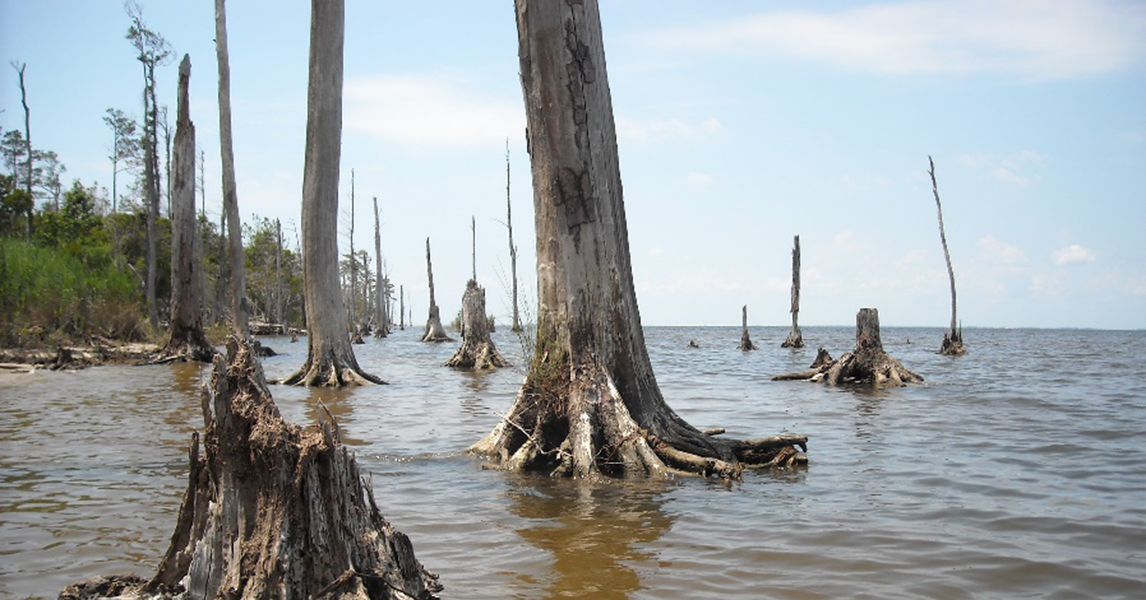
x=330 y=358
x=273 y=511
x=239 y=308
x=867 y=364
x=434 y=331
x=745 y=341
x=953 y=339
x=383 y=327
x=795 y=339
x=187 y=340
x=590 y=404
x=477 y=350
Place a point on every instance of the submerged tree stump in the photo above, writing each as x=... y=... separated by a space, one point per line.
x=795 y=339
x=434 y=331
x=272 y=511
x=477 y=351
x=868 y=363
x=745 y=341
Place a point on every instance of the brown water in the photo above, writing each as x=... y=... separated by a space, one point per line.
x=1019 y=470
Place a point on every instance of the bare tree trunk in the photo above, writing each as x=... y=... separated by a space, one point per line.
x=273 y=510
x=745 y=341
x=516 y=326
x=279 y=278
x=330 y=358
x=354 y=328
x=187 y=340
x=795 y=338
x=953 y=339
x=221 y=278
x=239 y=308
x=151 y=181
x=200 y=244
x=402 y=307
x=477 y=350
x=434 y=331
x=383 y=327
x=27 y=150
x=167 y=158
x=867 y=364
x=590 y=404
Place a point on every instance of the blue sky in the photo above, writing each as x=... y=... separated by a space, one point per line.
x=740 y=124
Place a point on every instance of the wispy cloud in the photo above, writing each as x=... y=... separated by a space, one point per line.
x=1073 y=254
x=1016 y=167
x=666 y=129
x=1032 y=39
x=429 y=110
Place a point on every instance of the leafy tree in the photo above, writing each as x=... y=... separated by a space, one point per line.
x=125 y=149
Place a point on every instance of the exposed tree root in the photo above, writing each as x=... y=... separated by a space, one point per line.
x=190 y=346
x=953 y=343
x=330 y=373
x=795 y=339
x=868 y=363
x=273 y=511
x=584 y=429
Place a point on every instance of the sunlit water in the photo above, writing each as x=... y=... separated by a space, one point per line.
x=1018 y=470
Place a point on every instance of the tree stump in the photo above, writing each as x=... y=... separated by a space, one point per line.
x=745 y=341
x=867 y=364
x=953 y=343
x=272 y=510
x=477 y=351
x=795 y=339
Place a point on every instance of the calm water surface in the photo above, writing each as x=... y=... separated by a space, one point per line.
x=1018 y=470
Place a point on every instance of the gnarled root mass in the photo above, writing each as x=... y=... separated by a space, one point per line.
x=868 y=363
x=580 y=426
x=273 y=511
x=187 y=345
x=953 y=343
x=330 y=371
x=477 y=351
x=795 y=339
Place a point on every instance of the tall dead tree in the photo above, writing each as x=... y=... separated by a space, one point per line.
x=590 y=404
x=330 y=358
x=953 y=338
x=434 y=331
x=239 y=307
x=382 y=329
x=402 y=307
x=20 y=68
x=153 y=51
x=745 y=340
x=516 y=326
x=187 y=340
x=352 y=306
x=795 y=339
x=279 y=312
x=867 y=364
x=272 y=510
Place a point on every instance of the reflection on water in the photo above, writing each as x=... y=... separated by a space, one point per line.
x=593 y=532
x=1016 y=471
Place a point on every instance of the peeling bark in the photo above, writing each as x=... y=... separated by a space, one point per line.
x=590 y=405
x=867 y=364
x=477 y=351
x=187 y=340
x=795 y=339
x=272 y=510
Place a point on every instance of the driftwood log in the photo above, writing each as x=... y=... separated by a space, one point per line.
x=477 y=350
x=867 y=364
x=272 y=511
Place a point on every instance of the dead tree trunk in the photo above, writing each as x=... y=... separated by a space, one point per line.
x=402 y=307
x=221 y=278
x=330 y=358
x=434 y=331
x=382 y=329
x=477 y=351
x=953 y=339
x=745 y=341
x=279 y=319
x=867 y=364
x=590 y=404
x=273 y=511
x=516 y=325
x=27 y=152
x=239 y=308
x=795 y=338
x=187 y=341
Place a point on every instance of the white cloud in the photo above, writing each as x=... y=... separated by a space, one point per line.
x=666 y=129
x=1001 y=254
x=697 y=179
x=1034 y=39
x=429 y=110
x=1014 y=168
x=1073 y=254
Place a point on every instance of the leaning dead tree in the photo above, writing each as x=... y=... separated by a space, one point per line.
x=745 y=341
x=795 y=338
x=590 y=404
x=434 y=331
x=953 y=339
x=867 y=364
x=273 y=510
x=477 y=351
x=187 y=340
x=330 y=358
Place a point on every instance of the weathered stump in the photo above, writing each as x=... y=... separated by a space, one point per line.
x=272 y=511
x=868 y=363
x=795 y=339
x=477 y=351
x=745 y=341
x=953 y=343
